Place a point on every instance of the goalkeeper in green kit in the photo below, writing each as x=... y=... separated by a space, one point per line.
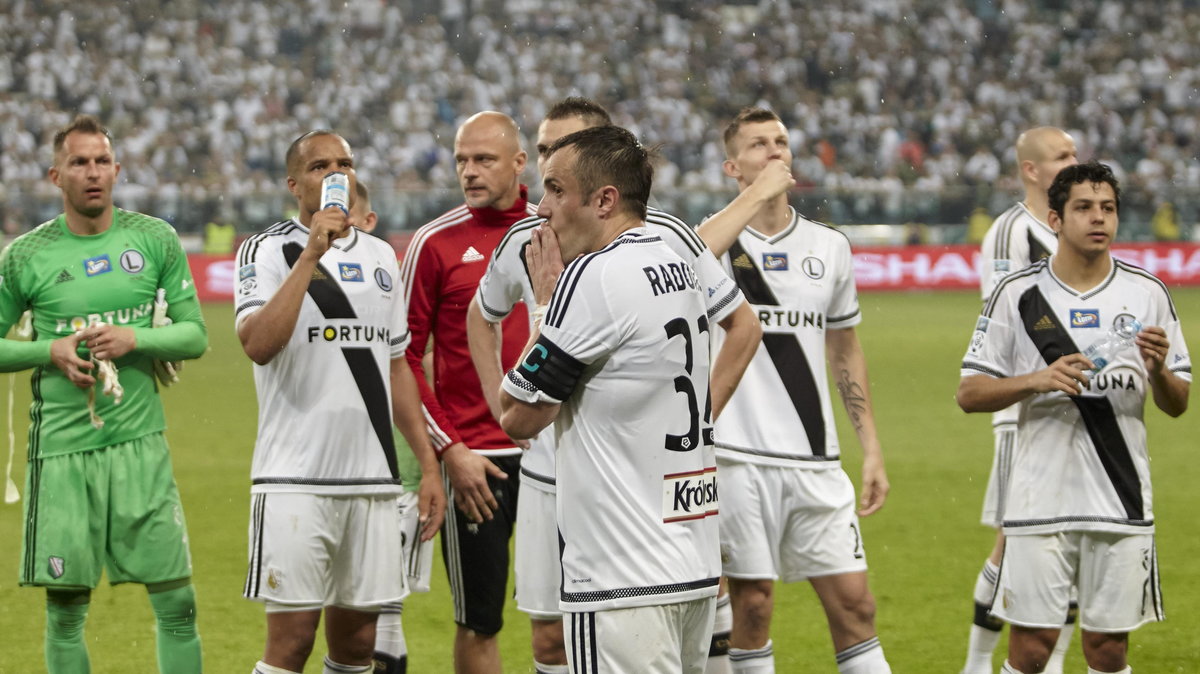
x=100 y=495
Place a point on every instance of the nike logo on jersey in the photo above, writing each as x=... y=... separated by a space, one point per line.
x=472 y=255
x=1044 y=323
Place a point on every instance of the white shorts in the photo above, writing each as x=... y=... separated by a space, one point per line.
x=1004 y=439
x=1117 y=577
x=418 y=554
x=667 y=639
x=538 y=565
x=787 y=523
x=309 y=551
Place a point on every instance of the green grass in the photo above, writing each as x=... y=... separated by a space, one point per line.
x=925 y=547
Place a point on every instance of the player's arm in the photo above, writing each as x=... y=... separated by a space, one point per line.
x=185 y=338
x=1170 y=390
x=15 y=354
x=987 y=393
x=407 y=415
x=849 y=368
x=483 y=341
x=723 y=228
x=743 y=333
x=265 y=332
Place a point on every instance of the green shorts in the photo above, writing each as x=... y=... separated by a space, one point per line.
x=114 y=508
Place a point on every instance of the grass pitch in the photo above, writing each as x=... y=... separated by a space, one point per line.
x=925 y=547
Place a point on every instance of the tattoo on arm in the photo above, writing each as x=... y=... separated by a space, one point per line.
x=853 y=397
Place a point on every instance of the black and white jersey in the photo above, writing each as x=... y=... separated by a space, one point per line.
x=1081 y=462
x=800 y=283
x=624 y=348
x=507 y=282
x=324 y=401
x=1015 y=240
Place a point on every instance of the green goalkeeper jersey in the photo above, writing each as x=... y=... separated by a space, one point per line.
x=70 y=281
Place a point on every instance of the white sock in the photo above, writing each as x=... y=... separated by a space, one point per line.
x=391 y=651
x=261 y=667
x=1127 y=670
x=332 y=667
x=863 y=658
x=1054 y=664
x=985 y=629
x=718 y=652
x=752 y=661
x=543 y=668
x=1009 y=669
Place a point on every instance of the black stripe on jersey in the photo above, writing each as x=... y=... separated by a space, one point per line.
x=1036 y=250
x=1032 y=269
x=325 y=481
x=518 y=227
x=249 y=248
x=583 y=642
x=574 y=271
x=646 y=590
x=331 y=300
x=1133 y=269
x=536 y=476
x=677 y=227
x=787 y=354
x=254 y=573
x=1004 y=231
x=1099 y=417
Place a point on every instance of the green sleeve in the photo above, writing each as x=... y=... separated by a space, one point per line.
x=186 y=337
x=21 y=355
x=16 y=354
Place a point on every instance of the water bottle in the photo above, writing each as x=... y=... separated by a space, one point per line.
x=1105 y=349
x=335 y=191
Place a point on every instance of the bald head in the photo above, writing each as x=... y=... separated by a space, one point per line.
x=1041 y=154
x=489 y=160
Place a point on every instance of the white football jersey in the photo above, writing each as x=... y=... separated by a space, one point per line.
x=624 y=348
x=324 y=401
x=507 y=282
x=800 y=283
x=1015 y=240
x=1081 y=462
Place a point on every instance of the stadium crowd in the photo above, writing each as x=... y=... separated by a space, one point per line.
x=886 y=99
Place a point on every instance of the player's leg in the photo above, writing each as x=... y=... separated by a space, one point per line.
x=363 y=579
x=718 y=647
x=1033 y=593
x=537 y=569
x=178 y=642
x=147 y=543
x=751 y=513
x=985 y=627
x=1118 y=592
x=476 y=558
x=66 y=612
x=63 y=546
x=290 y=637
x=391 y=649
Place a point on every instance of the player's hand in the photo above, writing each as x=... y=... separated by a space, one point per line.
x=1152 y=342
x=544 y=259
x=325 y=226
x=64 y=357
x=1067 y=374
x=776 y=178
x=875 y=485
x=431 y=505
x=109 y=341
x=468 y=473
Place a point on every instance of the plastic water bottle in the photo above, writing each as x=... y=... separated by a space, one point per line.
x=1105 y=349
x=335 y=191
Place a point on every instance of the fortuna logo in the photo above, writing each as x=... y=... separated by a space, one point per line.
x=1085 y=318
x=1044 y=323
x=63 y=277
x=58 y=567
x=743 y=261
x=472 y=255
x=690 y=496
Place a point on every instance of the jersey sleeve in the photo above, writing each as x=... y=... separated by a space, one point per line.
x=16 y=354
x=991 y=347
x=421 y=275
x=579 y=329
x=1002 y=253
x=843 y=305
x=502 y=286
x=401 y=337
x=261 y=270
x=176 y=276
x=721 y=294
x=1178 y=360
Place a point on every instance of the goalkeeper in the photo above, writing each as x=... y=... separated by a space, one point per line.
x=100 y=497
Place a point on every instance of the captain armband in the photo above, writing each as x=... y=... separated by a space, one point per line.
x=547 y=370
